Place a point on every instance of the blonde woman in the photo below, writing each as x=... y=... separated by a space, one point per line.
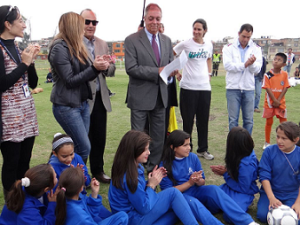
x=72 y=71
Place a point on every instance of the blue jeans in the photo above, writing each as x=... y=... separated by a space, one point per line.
x=257 y=92
x=287 y=68
x=76 y=123
x=236 y=100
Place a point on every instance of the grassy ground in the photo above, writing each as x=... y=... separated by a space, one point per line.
x=119 y=124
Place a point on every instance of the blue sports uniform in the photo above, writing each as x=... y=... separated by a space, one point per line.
x=86 y=211
x=211 y=196
x=145 y=206
x=33 y=212
x=60 y=167
x=243 y=190
x=285 y=182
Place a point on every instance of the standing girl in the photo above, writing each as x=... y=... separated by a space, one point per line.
x=27 y=202
x=76 y=208
x=279 y=172
x=186 y=174
x=130 y=192
x=195 y=89
x=19 y=126
x=72 y=72
x=240 y=173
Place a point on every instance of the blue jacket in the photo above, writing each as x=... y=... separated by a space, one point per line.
x=60 y=167
x=182 y=170
x=134 y=204
x=32 y=213
x=274 y=167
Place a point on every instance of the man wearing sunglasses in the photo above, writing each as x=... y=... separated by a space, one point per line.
x=100 y=104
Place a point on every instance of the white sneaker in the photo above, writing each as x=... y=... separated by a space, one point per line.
x=266 y=145
x=205 y=155
x=253 y=223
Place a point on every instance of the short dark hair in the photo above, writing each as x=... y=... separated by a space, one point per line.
x=203 y=22
x=247 y=27
x=290 y=129
x=282 y=55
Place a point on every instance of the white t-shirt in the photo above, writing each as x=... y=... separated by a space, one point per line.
x=195 y=73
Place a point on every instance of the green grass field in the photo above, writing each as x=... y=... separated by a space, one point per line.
x=119 y=123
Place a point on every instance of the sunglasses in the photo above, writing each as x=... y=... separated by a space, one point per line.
x=10 y=10
x=94 y=22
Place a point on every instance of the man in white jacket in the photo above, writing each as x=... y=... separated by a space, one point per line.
x=242 y=60
x=290 y=60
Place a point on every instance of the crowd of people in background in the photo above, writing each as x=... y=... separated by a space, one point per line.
x=56 y=192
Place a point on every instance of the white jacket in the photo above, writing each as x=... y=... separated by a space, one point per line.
x=237 y=76
x=292 y=58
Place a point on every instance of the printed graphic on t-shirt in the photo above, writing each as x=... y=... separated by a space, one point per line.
x=200 y=54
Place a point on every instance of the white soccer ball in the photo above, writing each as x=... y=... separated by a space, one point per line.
x=283 y=215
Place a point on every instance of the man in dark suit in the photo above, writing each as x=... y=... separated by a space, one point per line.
x=146 y=53
x=100 y=104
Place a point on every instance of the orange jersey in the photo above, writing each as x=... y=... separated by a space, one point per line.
x=276 y=82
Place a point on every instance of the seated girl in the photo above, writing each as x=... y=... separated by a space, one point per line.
x=63 y=157
x=27 y=201
x=186 y=174
x=279 y=172
x=75 y=208
x=241 y=170
x=129 y=191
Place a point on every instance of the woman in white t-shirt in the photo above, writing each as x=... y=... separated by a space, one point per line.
x=195 y=89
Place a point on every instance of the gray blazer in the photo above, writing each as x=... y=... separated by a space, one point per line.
x=101 y=48
x=141 y=66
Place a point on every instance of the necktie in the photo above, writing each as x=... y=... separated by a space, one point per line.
x=155 y=49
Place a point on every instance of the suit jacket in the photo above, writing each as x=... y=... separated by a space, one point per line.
x=101 y=48
x=141 y=66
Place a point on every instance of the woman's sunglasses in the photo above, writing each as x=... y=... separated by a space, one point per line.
x=10 y=10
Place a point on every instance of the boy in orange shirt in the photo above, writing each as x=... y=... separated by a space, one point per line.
x=276 y=84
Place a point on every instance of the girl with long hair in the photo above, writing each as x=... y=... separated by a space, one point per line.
x=241 y=170
x=185 y=173
x=31 y=199
x=130 y=192
x=72 y=70
x=18 y=120
x=75 y=208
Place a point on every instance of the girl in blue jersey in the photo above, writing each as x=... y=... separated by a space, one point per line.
x=73 y=207
x=279 y=172
x=131 y=193
x=186 y=174
x=63 y=157
x=241 y=170
x=27 y=201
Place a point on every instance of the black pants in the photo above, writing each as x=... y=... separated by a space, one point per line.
x=196 y=103
x=97 y=135
x=215 y=68
x=16 y=160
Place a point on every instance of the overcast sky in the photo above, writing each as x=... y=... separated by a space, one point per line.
x=119 y=18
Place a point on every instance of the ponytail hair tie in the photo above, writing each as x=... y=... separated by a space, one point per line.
x=63 y=189
x=25 y=182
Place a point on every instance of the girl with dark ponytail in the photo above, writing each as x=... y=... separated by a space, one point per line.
x=27 y=201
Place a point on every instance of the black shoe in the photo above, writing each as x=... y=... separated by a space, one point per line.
x=111 y=94
x=103 y=178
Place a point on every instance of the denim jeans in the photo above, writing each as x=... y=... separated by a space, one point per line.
x=257 y=92
x=76 y=123
x=287 y=68
x=236 y=100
